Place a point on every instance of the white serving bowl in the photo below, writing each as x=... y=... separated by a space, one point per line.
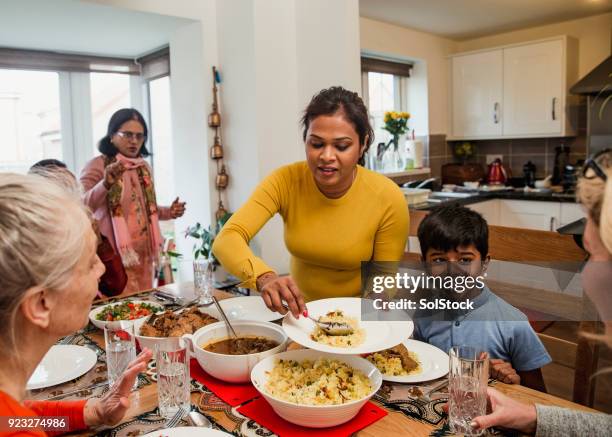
x=315 y=416
x=233 y=368
x=137 y=322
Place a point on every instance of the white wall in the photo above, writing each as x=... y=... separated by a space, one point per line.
x=189 y=131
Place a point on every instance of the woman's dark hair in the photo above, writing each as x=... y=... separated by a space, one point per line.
x=332 y=100
x=448 y=227
x=114 y=124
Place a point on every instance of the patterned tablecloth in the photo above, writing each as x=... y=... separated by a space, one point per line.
x=403 y=398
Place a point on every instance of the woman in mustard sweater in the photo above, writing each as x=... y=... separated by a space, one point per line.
x=336 y=213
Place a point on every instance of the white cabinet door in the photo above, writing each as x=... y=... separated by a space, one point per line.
x=570 y=212
x=489 y=210
x=529 y=214
x=534 y=98
x=477 y=94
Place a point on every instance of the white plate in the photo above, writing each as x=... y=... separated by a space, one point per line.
x=137 y=322
x=250 y=308
x=434 y=363
x=61 y=364
x=379 y=335
x=187 y=431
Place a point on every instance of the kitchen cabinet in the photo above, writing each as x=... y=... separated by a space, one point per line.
x=477 y=94
x=528 y=214
x=515 y=91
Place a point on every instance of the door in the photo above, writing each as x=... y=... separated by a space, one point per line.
x=477 y=94
x=533 y=93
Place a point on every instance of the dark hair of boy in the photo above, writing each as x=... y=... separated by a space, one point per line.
x=448 y=227
x=46 y=163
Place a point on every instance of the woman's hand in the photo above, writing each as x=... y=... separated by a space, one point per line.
x=110 y=408
x=112 y=173
x=503 y=371
x=177 y=209
x=275 y=289
x=507 y=413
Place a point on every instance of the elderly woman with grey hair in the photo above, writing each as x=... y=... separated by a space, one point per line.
x=49 y=274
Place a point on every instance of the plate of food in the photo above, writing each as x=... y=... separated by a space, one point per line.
x=127 y=310
x=315 y=389
x=411 y=361
x=364 y=336
x=244 y=308
x=169 y=326
x=186 y=431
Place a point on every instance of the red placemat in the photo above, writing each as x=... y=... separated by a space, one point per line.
x=233 y=394
x=261 y=412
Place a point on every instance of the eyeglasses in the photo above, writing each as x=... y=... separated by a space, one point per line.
x=131 y=135
x=596 y=163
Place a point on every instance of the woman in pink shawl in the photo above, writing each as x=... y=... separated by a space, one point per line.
x=119 y=190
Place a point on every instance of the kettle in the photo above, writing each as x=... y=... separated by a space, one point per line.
x=497 y=173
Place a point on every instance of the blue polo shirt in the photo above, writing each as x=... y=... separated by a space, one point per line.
x=494 y=326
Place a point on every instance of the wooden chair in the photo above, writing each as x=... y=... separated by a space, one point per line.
x=542 y=247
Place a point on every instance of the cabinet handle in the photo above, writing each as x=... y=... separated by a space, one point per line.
x=552 y=223
x=554 y=115
x=496 y=113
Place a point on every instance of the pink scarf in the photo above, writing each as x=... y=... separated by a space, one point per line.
x=115 y=200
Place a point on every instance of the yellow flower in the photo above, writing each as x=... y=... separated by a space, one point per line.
x=404 y=115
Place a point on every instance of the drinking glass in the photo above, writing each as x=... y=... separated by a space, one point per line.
x=203 y=279
x=467 y=388
x=120 y=348
x=173 y=380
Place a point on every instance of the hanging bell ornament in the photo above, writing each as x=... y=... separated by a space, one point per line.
x=221 y=211
x=222 y=179
x=216 y=151
x=214 y=119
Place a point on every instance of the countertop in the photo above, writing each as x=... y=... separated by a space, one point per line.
x=510 y=195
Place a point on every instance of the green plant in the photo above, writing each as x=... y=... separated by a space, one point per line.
x=464 y=151
x=206 y=235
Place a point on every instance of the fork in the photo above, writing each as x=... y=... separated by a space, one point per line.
x=425 y=397
x=173 y=421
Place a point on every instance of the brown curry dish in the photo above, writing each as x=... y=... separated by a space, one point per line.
x=241 y=346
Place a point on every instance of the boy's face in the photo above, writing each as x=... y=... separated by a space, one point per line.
x=461 y=261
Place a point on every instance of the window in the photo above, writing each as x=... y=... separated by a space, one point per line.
x=161 y=139
x=109 y=92
x=384 y=88
x=30 y=124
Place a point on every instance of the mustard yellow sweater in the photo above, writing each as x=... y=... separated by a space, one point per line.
x=327 y=238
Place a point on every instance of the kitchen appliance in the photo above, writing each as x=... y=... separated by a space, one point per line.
x=529 y=173
x=596 y=86
x=459 y=173
x=561 y=160
x=497 y=173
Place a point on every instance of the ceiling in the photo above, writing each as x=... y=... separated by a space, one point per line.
x=77 y=27
x=466 y=19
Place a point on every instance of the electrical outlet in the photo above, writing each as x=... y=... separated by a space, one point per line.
x=491 y=158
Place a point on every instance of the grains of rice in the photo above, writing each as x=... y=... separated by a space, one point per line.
x=320 y=382
x=392 y=365
x=352 y=340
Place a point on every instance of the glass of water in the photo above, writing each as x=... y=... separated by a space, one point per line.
x=173 y=380
x=203 y=279
x=120 y=348
x=467 y=388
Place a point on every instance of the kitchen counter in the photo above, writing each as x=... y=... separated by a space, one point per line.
x=509 y=195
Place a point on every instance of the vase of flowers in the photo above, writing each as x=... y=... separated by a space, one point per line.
x=396 y=123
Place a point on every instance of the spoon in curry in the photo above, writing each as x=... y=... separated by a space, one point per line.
x=330 y=328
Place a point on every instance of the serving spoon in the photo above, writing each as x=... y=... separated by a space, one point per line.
x=330 y=328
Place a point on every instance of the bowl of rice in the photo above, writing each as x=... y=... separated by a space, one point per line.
x=316 y=389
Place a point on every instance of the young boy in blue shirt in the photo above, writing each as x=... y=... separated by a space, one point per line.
x=454 y=242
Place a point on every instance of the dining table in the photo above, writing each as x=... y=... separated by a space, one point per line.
x=397 y=422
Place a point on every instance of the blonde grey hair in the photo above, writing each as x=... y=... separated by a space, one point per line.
x=596 y=196
x=59 y=176
x=42 y=230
